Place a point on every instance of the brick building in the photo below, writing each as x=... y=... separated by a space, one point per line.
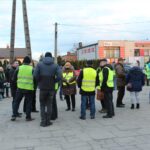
x=69 y=57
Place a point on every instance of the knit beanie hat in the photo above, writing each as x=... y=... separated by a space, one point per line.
x=48 y=54
x=27 y=60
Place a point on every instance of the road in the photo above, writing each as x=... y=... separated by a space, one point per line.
x=128 y=130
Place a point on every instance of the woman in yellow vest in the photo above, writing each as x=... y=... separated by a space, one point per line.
x=69 y=85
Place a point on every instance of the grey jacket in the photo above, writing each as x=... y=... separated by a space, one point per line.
x=47 y=74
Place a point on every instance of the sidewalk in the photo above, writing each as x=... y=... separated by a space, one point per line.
x=128 y=130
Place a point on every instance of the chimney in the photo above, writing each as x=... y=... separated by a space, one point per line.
x=80 y=44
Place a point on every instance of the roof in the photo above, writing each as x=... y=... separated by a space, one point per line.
x=87 y=46
x=19 y=52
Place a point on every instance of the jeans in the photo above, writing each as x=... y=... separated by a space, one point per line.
x=46 y=99
x=19 y=95
x=83 y=105
x=121 y=92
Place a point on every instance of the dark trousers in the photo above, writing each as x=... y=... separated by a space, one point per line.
x=67 y=97
x=33 y=102
x=60 y=92
x=13 y=94
x=7 y=91
x=147 y=82
x=19 y=95
x=54 y=108
x=46 y=99
x=108 y=96
x=121 y=92
x=103 y=104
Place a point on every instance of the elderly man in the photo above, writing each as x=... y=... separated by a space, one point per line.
x=121 y=81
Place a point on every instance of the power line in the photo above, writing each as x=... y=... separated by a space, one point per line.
x=81 y=25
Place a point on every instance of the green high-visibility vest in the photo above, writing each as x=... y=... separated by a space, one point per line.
x=147 y=71
x=89 y=80
x=25 y=78
x=68 y=76
x=110 y=82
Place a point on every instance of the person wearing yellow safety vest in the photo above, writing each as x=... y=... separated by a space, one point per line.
x=102 y=101
x=87 y=82
x=106 y=85
x=69 y=85
x=147 y=72
x=25 y=87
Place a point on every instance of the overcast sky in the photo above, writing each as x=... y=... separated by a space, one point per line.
x=84 y=21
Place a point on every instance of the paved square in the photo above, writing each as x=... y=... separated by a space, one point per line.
x=128 y=130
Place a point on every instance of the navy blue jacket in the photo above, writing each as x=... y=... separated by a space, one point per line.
x=136 y=78
x=47 y=74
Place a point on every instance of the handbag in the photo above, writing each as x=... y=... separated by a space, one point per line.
x=129 y=86
x=99 y=95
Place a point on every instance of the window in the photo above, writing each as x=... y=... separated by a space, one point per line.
x=137 y=52
x=112 y=52
x=147 y=52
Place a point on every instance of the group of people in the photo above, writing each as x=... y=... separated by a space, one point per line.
x=4 y=83
x=49 y=77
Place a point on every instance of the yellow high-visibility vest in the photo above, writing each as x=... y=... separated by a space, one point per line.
x=110 y=80
x=89 y=80
x=56 y=86
x=68 y=76
x=25 y=78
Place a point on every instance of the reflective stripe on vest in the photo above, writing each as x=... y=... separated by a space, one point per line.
x=89 y=80
x=68 y=76
x=25 y=78
x=110 y=80
x=56 y=86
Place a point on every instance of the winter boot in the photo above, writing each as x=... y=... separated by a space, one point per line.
x=137 y=105
x=132 y=106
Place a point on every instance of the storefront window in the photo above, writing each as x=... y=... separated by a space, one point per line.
x=112 y=52
x=147 y=52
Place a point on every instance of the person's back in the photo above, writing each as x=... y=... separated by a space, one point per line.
x=45 y=73
x=135 y=81
x=136 y=78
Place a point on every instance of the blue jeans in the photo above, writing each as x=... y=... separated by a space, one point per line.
x=92 y=105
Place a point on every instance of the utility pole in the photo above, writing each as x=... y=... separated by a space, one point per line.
x=12 y=39
x=26 y=28
x=56 y=36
